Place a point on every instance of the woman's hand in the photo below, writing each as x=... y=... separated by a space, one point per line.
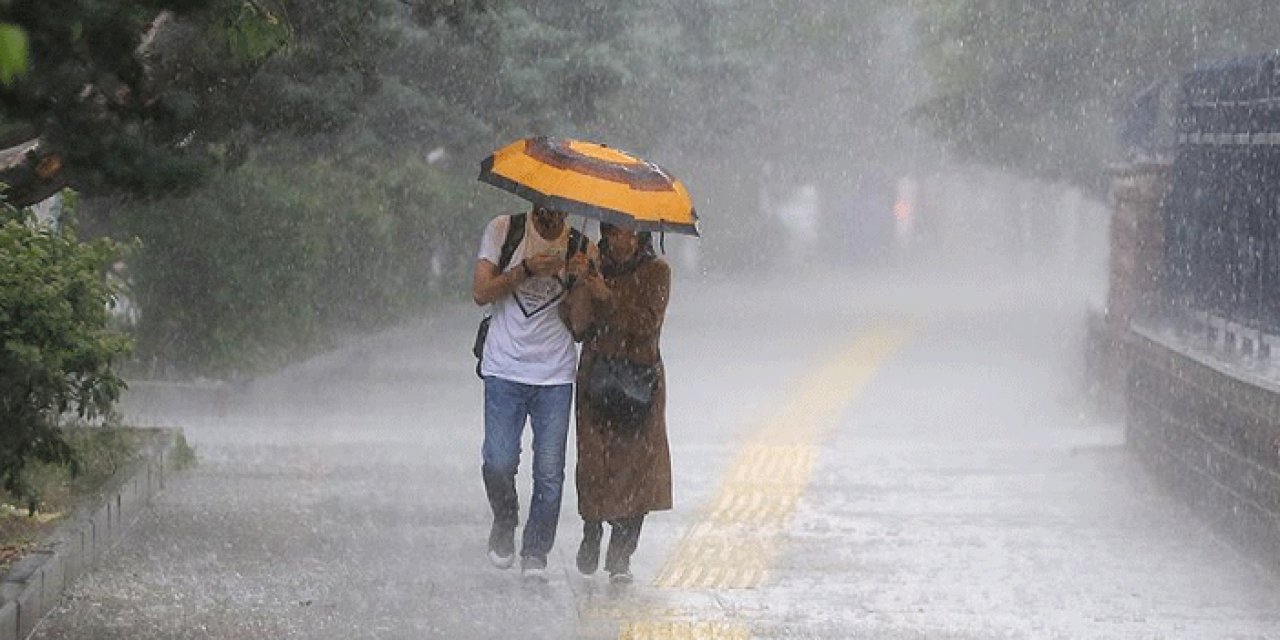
x=596 y=286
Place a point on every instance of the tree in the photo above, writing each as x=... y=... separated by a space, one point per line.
x=1039 y=87
x=147 y=97
x=278 y=159
x=56 y=353
x=766 y=94
x=86 y=93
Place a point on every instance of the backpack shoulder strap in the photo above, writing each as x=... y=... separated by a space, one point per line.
x=515 y=233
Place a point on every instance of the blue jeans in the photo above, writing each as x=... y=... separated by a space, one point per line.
x=506 y=405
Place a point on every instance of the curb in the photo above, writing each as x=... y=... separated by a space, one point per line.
x=34 y=585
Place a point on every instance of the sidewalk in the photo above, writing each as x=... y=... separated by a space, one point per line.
x=956 y=493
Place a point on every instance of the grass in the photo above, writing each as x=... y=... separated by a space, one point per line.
x=101 y=451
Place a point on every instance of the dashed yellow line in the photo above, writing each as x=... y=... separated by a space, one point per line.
x=738 y=536
x=781 y=464
x=676 y=630
x=735 y=541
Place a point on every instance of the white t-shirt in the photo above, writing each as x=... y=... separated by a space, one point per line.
x=528 y=342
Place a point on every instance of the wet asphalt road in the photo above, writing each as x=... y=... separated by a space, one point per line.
x=958 y=487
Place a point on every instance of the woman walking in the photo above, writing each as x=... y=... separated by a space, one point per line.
x=624 y=464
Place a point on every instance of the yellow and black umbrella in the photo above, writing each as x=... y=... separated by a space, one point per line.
x=592 y=180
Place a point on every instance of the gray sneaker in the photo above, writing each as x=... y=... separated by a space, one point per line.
x=533 y=568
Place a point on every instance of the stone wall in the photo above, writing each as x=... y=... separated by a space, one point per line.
x=1136 y=248
x=1212 y=435
x=1203 y=420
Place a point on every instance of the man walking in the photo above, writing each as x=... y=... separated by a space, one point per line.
x=528 y=365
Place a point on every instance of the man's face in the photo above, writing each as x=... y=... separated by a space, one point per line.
x=548 y=222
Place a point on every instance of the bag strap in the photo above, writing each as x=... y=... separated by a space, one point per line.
x=515 y=233
x=577 y=243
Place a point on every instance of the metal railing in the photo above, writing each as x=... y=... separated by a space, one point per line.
x=1222 y=212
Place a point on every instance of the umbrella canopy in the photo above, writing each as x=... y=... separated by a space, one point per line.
x=592 y=180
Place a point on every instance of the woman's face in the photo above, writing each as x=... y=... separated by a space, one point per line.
x=623 y=243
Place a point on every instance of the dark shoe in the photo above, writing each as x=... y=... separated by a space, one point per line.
x=588 y=557
x=533 y=568
x=502 y=546
x=589 y=550
x=623 y=537
x=616 y=562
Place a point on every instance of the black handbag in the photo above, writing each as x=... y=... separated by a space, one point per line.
x=621 y=391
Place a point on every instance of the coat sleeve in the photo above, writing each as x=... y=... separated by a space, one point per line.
x=640 y=313
x=577 y=312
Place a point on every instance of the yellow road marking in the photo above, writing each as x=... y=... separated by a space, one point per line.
x=674 y=630
x=734 y=542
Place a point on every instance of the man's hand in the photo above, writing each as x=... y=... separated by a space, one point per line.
x=544 y=265
x=578 y=267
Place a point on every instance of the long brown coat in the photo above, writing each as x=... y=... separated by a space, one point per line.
x=619 y=474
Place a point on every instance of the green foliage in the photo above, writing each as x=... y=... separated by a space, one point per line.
x=255 y=33
x=274 y=149
x=745 y=95
x=272 y=261
x=808 y=124
x=182 y=455
x=506 y=71
x=56 y=355
x=102 y=452
x=148 y=96
x=223 y=271
x=1038 y=86
x=314 y=236
x=97 y=454
x=13 y=53
x=87 y=93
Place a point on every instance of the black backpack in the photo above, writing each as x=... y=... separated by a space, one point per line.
x=515 y=234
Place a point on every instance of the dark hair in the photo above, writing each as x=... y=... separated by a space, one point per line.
x=646 y=237
x=644 y=253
